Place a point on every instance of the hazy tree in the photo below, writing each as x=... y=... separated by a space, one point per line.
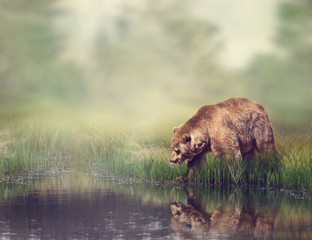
x=30 y=73
x=161 y=52
x=283 y=80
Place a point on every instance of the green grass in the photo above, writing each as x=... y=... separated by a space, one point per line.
x=28 y=146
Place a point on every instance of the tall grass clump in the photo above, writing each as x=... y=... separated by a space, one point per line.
x=296 y=156
x=260 y=171
x=132 y=153
x=291 y=168
x=127 y=153
x=141 y=153
x=29 y=146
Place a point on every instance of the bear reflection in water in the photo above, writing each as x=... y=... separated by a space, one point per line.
x=230 y=218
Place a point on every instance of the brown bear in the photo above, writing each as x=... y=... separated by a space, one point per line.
x=237 y=128
x=240 y=222
x=234 y=217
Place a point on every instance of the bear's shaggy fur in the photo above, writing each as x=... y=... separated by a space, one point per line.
x=247 y=221
x=237 y=127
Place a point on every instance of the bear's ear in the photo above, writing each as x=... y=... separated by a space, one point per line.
x=175 y=129
x=186 y=137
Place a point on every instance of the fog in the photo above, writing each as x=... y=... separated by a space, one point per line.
x=154 y=61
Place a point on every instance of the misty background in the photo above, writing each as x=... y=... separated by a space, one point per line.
x=153 y=61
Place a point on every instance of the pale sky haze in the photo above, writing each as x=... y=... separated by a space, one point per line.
x=245 y=27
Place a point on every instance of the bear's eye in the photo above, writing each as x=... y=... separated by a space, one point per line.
x=178 y=213
x=177 y=151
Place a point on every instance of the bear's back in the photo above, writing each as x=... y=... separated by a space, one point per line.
x=233 y=107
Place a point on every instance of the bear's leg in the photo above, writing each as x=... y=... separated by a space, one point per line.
x=192 y=166
x=252 y=154
x=237 y=155
x=264 y=139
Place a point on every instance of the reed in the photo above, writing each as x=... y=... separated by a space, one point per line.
x=34 y=146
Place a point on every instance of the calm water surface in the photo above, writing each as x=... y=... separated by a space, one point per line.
x=82 y=207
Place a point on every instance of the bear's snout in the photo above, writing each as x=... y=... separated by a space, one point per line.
x=177 y=160
x=174 y=160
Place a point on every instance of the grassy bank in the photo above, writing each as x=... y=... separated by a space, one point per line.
x=35 y=145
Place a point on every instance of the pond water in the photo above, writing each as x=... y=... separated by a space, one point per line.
x=71 y=206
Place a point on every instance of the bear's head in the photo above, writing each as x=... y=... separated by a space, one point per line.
x=187 y=143
x=186 y=218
